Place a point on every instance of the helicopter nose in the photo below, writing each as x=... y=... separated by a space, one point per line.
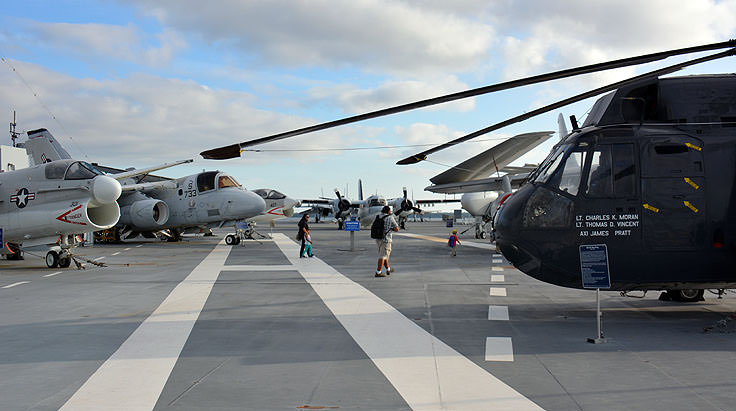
x=509 y=234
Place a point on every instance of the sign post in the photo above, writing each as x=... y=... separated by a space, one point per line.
x=352 y=226
x=594 y=269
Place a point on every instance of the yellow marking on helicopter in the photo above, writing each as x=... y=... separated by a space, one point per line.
x=692 y=183
x=694 y=147
x=690 y=206
x=651 y=208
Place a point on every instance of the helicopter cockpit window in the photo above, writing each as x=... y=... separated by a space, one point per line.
x=612 y=172
x=81 y=171
x=600 y=183
x=206 y=181
x=568 y=178
x=624 y=173
x=225 y=181
x=549 y=165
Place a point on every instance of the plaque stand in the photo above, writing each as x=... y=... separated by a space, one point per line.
x=599 y=320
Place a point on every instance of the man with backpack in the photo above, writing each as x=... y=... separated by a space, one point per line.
x=381 y=230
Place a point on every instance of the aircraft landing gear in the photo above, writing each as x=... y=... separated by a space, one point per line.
x=17 y=253
x=232 y=239
x=52 y=259
x=686 y=296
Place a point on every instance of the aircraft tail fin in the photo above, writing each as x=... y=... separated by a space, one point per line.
x=42 y=147
x=360 y=189
x=561 y=127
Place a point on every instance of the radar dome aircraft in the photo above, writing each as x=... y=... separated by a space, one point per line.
x=650 y=176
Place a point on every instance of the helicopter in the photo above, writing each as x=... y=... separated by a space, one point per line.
x=649 y=178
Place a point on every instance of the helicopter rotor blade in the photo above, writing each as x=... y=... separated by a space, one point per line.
x=234 y=150
x=413 y=159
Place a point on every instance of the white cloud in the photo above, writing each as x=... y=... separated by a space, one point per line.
x=391 y=93
x=376 y=35
x=145 y=119
x=92 y=40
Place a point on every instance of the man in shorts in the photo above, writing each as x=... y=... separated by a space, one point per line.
x=384 y=244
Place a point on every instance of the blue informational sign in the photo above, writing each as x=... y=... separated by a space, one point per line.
x=594 y=266
x=352 y=226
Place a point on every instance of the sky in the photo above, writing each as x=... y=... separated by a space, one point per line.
x=139 y=82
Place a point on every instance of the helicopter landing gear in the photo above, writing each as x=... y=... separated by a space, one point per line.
x=232 y=239
x=686 y=296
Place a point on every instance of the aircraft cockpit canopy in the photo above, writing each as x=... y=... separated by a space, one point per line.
x=226 y=181
x=70 y=170
x=206 y=181
x=267 y=194
x=375 y=202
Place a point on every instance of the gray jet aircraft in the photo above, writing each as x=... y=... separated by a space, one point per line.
x=172 y=206
x=50 y=203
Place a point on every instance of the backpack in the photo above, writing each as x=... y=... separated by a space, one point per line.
x=451 y=241
x=377 y=228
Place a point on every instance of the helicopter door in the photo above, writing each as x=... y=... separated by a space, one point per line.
x=609 y=211
x=673 y=192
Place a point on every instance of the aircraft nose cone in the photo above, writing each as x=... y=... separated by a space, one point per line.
x=252 y=205
x=105 y=190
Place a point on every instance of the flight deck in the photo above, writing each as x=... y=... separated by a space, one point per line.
x=201 y=325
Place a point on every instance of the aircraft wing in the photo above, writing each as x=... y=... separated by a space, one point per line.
x=473 y=186
x=145 y=187
x=493 y=159
x=141 y=171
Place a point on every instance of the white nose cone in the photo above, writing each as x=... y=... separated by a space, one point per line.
x=105 y=190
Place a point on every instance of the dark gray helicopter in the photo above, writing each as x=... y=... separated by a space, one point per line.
x=650 y=176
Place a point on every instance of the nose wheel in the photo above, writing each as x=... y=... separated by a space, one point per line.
x=55 y=259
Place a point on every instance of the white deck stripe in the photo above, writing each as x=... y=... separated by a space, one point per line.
x=427 y=373
x=16 y=284
x=486 y=246
x=98 y=258
x=497 y=278
x=134 y=376
x=127 y=249
x=498 y=292
x=498 y=313
x=499 y=349
x=259 y=268
x=53 y=274
x=116 y=253
x=494 y=268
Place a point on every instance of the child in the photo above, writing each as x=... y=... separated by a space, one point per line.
x=307 y=244
x=453 y=241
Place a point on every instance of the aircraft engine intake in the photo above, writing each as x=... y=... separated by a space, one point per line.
x=145 y=214
x=103 y=216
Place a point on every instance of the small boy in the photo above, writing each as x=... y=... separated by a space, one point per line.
x=307 y=244
x=453 y=241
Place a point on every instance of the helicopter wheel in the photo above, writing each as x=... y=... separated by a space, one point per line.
x=230 y=240
x=483 y=234
x=52 y=259
x=686 y=296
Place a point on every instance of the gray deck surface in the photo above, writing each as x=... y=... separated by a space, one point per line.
x=266 y=340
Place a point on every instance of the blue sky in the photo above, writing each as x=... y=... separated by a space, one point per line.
x=141 y=82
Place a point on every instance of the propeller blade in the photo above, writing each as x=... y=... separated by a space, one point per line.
x=234 y=150
x=413 y=159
